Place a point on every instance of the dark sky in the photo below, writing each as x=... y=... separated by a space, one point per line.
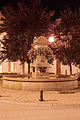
x=56 y=5
x=52 y=4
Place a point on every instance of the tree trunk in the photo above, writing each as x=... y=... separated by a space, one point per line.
x=58 y=67
x=23 y=68
x=70 y=69
x=28 y=67
x=9 y=66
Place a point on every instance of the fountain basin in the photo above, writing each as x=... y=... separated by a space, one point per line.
x=36 y=84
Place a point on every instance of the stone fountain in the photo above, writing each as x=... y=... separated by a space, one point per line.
x=41 y=79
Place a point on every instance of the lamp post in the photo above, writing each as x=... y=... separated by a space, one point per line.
x=41 y=96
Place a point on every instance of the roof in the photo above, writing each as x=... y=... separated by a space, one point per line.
x=40 y=40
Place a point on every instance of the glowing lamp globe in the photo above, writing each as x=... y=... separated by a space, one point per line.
x=51 y=39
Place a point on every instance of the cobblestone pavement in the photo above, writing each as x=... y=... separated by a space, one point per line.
x=50 y=97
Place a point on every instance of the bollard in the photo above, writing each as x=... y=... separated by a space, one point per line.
x=41 y=96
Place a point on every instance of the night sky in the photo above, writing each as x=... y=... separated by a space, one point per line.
x=56 y=5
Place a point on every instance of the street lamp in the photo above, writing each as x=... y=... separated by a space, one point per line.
x=51 y=39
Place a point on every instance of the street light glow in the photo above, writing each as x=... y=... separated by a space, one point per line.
x=51 y=39
x=35 y=37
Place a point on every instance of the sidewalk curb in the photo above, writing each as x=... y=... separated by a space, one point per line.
x=39 y=104
x=30 y=104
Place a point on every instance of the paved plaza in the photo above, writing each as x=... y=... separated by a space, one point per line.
x=24 y=112
x=50 y=97
x=25 y=105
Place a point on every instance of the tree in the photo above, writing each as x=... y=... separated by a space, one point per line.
x=22 y=25
x=62 y=53
x=67 y=31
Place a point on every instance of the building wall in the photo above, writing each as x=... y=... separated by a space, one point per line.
x=16 y=67
x=13 y=67
x=5 y=66
x=65 y=70
x=0 y=68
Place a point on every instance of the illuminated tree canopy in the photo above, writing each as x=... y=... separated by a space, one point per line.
x=22 y=24
x=67 y=32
